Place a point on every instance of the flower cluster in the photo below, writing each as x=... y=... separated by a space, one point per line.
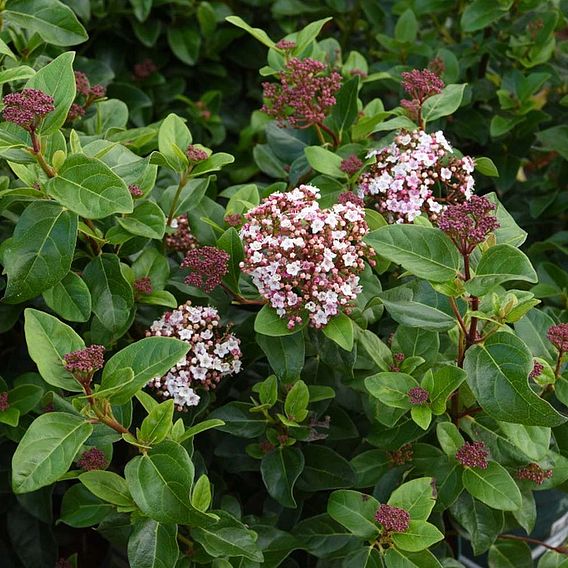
x=473 y=454
x=305 y=260
x=92 y=459
x=533 y=472
x=135 y=190
x=86 y=96
x=392 y=518
x=350 y=197
x=397 y=358
x=558 y=336
x=416 y=174
x=195 y=154
x=182 y=240
x=144 y=69
x=27 y=108
x=208 y=266
x=418 y=396
x=537 y=369
x=304 y=95
x=419 y=84
x=351 y=165
x=233 y=219
x=285 y=44
x=401 y=456
x=143 y=285
x=470 y=223
x=83 y=363
x=4 y=403
x=214 y=353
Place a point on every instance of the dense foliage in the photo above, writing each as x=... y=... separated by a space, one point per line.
x=264 y=298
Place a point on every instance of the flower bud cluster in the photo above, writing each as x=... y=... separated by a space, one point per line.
x=420 y=85
x=208 y=266
x=416 y=174
x=195 y=154
x=473 y=454
x=404 y=454
x=27 y=108
x=304 y=95
x=351 y=165
x=135 y=190
x=214 y=353
x=533 y=472
x=418 y=396
x=83 y=363
x=92 y=460
x=392 y=518
x=4 y=403
x=470 y=223
x=86 y=96
x=144 y=69
x=143 y=285
x=558 y=336
x=182 y=240
x=305 y=260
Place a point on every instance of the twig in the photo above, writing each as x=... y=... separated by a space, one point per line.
x=559 y=549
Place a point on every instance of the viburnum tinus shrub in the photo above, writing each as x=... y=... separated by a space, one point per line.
x=345 y=369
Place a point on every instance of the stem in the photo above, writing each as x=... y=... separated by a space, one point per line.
x=456 y=311
x=559 y=549
x=470 y=411
x=182 y=181
x=240 y=299
x=36 y=151
x=320 y=134
x=472 y=334
x=102 y=417
x=558 y=364
x=330 y=132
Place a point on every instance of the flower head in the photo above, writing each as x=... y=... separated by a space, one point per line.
x=351 y=165
x=82 y=83
x=416 y=174
x=305 y=260
x=418 y=396
x=473 y=454
x=285 y=44
x=97 y=92
x=208 y=266
x=144 y=69
x=470 y=223
x=143 y=285
x=182 y=240
x=420 y=85
x=4 y=404
x=234 y=219
x=350 y=197
x=304 y=95
x=27 y=108
x=214 y=353
x=135 y=190
x=533 y=472
x=195 y=154
x=92 y=459
x=401 y=456
x=392 y=518
x=76 y=111
x=558 y=336
x=83 y=363
x=537 y=369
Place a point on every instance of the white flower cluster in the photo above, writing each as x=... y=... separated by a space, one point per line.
x=214 y=353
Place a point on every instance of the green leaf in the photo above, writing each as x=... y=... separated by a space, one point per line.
x=157 y=425
x=257 y=33
x=406 y=27
x=185 y=43
x=280 y=469
x=201 y=494
x=324 y=161
x=481 y=13
x=10 y=416
x=108 y=486
x=268 y=322
x=47 y=450
x=239 y=421
x=231 y=243
x=486 y=167
x=533 y=441
x=416 y=497
x=48 y=341
x=153 y=545
x=555 y=139
x=369 y=467
x=324 y=469
x=493 y=486
x=285 y=354
x=173 y=139
x=111 y=293
x=449 y=437
x=70 y=298
x=497 y=372
x=201 y=427
x=40 y=252
x=56 y=79
x=160 y=483
x=510 y=554
x=297 y=399
x=345 y=110
x=443 y=104
x=55 y=22
x=418 y=536
x=355 y=511
x=391 y=388
x=340 y=329
x=500 y=264
x=149 y=358
x=16 y=74
x=441 y=382
x=80 y=508
x=309 y=33
x=368 y=557
x=25 y=397
x=147 y=220
x=212 y=164
x=90 y=188
x=425 y=252
x=424 y=559
x=551 y=559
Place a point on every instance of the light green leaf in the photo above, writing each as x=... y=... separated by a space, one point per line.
x=257 y=33
x=153 y=545
x=340 y=329
x=416 y=497
x=108 y=486
x=493 y=486
x=324 y=161
x=157 y=425
x=355 y=511
x=70 y=298
x=418 y=536
x=280 y=469
x=268 y=322
x=443 y=104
